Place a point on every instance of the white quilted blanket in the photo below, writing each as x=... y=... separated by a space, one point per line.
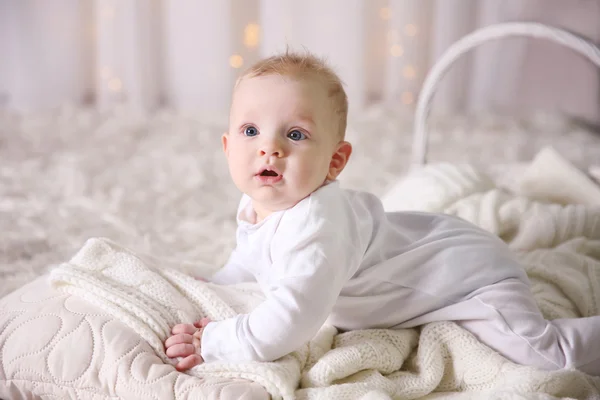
x=559 y=246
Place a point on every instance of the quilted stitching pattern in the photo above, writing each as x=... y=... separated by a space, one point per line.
x=54 y=345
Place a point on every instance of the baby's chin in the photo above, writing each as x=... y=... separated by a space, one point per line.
x=273 y=201
x=275 y=204
x=279 y=197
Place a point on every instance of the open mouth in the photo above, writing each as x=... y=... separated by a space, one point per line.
x=267 y=172
x=269 y=175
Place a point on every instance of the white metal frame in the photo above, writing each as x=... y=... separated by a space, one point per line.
x=472 y=40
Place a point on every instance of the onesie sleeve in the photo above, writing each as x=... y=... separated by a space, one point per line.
x=232 y=273
x=315 y=252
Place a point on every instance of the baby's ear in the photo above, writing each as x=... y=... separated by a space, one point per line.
x=339 y=160
x=224 y=142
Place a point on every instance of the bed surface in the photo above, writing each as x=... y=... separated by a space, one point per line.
x=109 y=359
x=159 y=184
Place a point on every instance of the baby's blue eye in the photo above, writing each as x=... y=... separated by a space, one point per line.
x=250 y=131
x=296 y=135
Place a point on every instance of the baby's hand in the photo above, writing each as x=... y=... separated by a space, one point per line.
x=185 y=342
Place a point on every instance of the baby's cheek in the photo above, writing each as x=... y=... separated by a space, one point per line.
x=238 y=168
x=305 y=173
x=313 y=177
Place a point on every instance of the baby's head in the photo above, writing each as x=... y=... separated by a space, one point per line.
x=286 y=130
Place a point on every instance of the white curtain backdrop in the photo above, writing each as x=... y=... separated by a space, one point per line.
x=186 y=54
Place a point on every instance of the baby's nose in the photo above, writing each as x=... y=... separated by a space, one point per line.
x=275 y=153
x=271 y=148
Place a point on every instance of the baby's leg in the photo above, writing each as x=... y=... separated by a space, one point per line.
x=516 y=329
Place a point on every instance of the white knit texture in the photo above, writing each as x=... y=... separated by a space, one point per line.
x=554 y=242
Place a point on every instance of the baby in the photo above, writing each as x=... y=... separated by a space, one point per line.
x=323 y=254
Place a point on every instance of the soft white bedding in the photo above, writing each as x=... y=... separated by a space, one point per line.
x=56 y=346
x=156 y=185
x=559 y=246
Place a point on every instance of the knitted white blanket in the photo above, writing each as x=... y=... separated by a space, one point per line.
x=554 y=242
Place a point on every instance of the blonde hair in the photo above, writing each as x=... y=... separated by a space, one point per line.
x=306 y=65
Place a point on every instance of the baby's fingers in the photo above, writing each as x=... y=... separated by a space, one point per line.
x=189 y=362
x=202 y=323
x=181 y=350
x=184 y=328
x=179 y=338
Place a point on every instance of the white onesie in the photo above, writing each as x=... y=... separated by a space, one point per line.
x=338 y=257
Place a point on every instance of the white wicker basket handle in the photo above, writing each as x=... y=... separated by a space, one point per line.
x=497 y=31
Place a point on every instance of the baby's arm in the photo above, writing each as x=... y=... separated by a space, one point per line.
x=309 y=271
x=231 y=273
x=295 y=308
